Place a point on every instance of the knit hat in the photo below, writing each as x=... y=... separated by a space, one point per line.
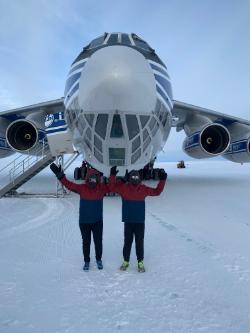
x=93 y=173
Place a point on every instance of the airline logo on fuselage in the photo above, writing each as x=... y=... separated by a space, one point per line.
x=49 y=120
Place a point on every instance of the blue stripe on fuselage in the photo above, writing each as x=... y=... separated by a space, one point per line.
x=71 y=93
x=159 y=69
x=51 y=131
x=77 y=67
x=70 y=82
x=163 y=95
x=165 y=85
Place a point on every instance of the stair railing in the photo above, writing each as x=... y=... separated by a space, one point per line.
x=22 y=163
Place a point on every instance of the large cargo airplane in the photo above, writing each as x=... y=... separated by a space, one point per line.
x=118 y=109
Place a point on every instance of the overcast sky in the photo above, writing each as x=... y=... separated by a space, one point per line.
x=205 y=45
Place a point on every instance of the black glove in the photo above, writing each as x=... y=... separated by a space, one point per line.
x=162 y=174
x=126 y=177
x=57 y=170
x=113 y=171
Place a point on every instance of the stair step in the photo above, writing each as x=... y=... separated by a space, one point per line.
x=33 y=169
x=27 y=174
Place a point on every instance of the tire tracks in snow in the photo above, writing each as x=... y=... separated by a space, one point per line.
x=228 y=261
x=202 y=245
x=51 y=209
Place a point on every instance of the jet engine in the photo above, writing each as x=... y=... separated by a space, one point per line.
x=23 y=135
x=212 y=140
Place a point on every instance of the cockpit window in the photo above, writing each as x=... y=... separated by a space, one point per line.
x=136 y=156
x=125 y=39
x=152 y=123
x=144 y=120
x=98 y=156
x=132 y=125
x=113 y=39
x=141 y=43
x=97 y=42
x=88 y=134
x=131 y=40
x=101 y=125
x=98 y=143
x=146 y=143
x=145 y=134
x=81 y=124
x=136 y=143
x=116 y=156
x=116 y=130
x=90 y=119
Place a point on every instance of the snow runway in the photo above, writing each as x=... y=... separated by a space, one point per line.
x=197 y=258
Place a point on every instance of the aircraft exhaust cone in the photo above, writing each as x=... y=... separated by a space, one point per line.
x=27 y=136
x=209 y=141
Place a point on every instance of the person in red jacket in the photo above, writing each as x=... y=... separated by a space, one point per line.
x=90 y=212
x=133 y=196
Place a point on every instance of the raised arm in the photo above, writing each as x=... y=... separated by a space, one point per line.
x=114 y=185
x=61 y=176
x=157 y=191
x=70 y=185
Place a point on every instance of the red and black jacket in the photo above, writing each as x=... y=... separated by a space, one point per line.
x=133 y=198
x=91 y=200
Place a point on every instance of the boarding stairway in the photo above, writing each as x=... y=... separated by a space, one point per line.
x=23 y=168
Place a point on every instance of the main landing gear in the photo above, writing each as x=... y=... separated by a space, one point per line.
x=147 y=173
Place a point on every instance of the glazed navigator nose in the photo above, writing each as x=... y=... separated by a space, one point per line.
x=117 y=78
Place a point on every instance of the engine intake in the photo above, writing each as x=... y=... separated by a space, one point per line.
x=215 y=139
x=22 y=135
x=212 y=140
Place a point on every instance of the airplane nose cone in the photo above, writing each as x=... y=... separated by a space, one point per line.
x=117 y=78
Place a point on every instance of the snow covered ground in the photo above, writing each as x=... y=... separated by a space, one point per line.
x=197 y=256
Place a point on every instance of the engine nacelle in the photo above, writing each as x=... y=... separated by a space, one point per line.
x=212 y=140
x=5 y=149
x=239 y=149
x=23 y=136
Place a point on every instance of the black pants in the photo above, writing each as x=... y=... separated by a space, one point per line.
x=97 y=230
x=131 y=230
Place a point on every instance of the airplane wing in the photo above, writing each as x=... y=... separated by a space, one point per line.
x=22 y=129
x=183 y=112
x=210 y=133
x=47 y=107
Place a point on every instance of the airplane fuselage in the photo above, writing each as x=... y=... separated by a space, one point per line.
x=118 y=101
